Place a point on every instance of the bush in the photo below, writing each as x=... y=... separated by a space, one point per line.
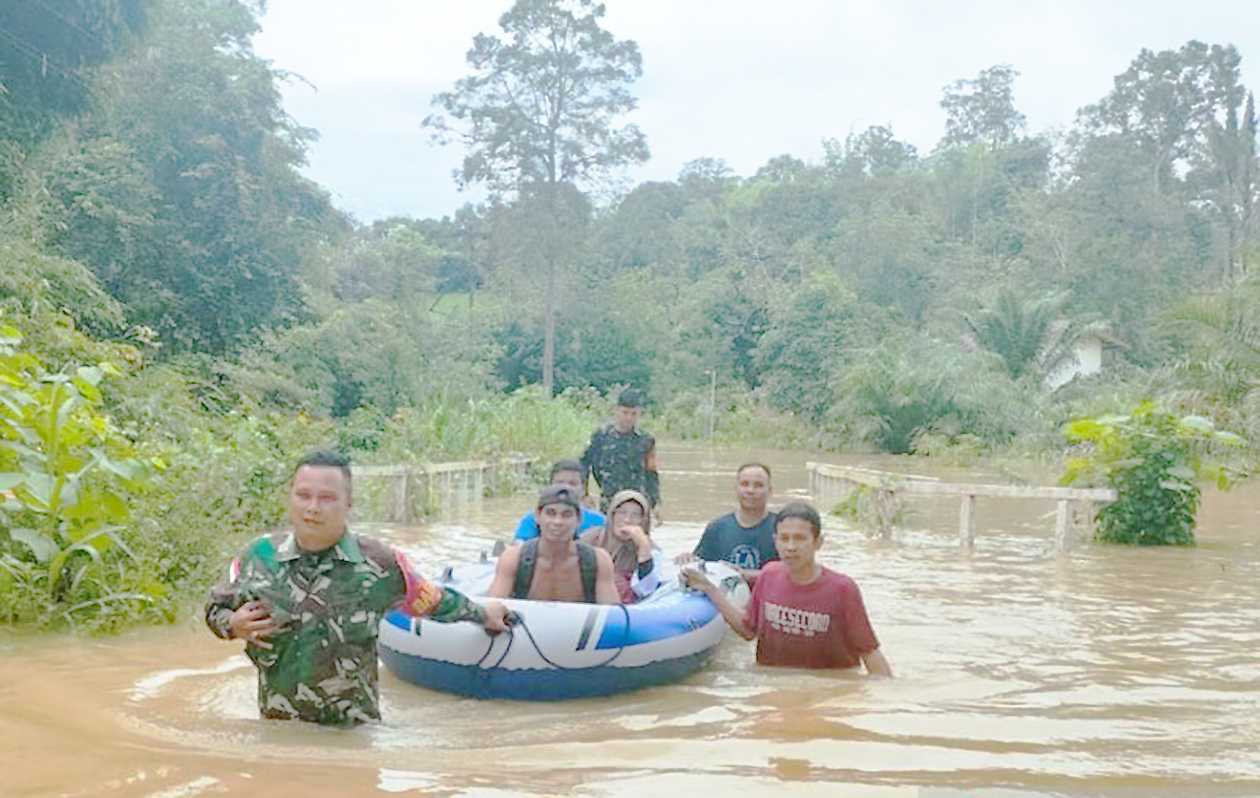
x=120 y=506
x=1153 y=460
x=68 y=477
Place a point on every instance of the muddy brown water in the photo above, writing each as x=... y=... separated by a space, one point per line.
x=1108 y=671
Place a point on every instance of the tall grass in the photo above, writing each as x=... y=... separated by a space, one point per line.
x=487 y=427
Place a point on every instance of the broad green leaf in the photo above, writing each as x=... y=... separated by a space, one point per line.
x=38 y=543
x=91 y=375
x=127 y=469
x=1084 y=429
x=1198 y=424
x=38 y=488
x=113 y=507
x=88 y=390
x=69 y=400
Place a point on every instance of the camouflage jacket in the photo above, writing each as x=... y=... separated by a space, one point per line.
x=622 y=462
x=322 y=665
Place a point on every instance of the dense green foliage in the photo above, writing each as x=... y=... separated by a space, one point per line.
x=1153 y=459
x=153 y=217
x=45 y=46
x=67 y=476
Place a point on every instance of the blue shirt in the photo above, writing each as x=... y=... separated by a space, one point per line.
x=528 y=527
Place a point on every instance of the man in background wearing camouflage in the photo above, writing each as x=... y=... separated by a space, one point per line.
x=307 y=603
x=621 y=457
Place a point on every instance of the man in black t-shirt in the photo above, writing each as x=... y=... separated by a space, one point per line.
x=744 y=538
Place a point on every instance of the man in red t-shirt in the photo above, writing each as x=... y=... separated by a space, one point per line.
x=802 y=614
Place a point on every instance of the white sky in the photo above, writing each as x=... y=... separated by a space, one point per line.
x=741 y=80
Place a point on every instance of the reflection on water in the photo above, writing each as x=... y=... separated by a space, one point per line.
x=1104 y=672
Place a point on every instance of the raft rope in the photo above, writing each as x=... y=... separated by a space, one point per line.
x=511 y=635
x=519 y=620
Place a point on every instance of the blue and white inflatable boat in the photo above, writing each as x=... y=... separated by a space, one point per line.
x=562 y=650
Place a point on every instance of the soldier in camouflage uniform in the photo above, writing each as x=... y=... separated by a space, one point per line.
x=621 y=457
x=308 y=602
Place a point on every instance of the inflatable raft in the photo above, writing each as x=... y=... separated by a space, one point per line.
x=561 y=650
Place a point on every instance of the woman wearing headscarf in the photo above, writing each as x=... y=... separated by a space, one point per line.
x=626 y=535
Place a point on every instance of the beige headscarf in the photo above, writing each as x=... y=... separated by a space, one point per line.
x=624 y=555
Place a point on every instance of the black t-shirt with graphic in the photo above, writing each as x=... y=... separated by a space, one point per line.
x=748 y=547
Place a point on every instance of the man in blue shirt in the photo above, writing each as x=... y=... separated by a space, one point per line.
x=569 y=473
x=744 y=538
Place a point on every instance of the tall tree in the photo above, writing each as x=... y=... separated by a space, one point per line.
x=874 y=152
x=538 y=112
x=982 y=126
x=1165 y=101
x=1226 y=180
x=982 y=111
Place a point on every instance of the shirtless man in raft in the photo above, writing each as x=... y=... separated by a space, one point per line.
x=554 y=566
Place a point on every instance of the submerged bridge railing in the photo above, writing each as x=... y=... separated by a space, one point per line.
x=830 y=484
x=405 y=493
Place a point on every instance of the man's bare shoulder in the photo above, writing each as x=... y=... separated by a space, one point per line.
x=511 y=555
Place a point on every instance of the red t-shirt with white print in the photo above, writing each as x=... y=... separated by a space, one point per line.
x=819 y=625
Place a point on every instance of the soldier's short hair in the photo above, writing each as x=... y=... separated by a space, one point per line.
x=564 y=465
x=630 y=397
x=326 y=458
x=803 y=511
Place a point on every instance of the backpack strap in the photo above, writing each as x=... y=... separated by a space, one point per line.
x=588 y=566
x=525 y=569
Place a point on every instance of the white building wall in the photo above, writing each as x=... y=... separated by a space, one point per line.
x=1086 y=359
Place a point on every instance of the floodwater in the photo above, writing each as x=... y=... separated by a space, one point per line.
x=1020 y=672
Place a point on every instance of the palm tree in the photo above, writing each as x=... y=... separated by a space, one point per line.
x=1029 y=335
x=1220 y=336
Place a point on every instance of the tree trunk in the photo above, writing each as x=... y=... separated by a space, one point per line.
x=1233 y=249
x=549 y=304
x=549 y=332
